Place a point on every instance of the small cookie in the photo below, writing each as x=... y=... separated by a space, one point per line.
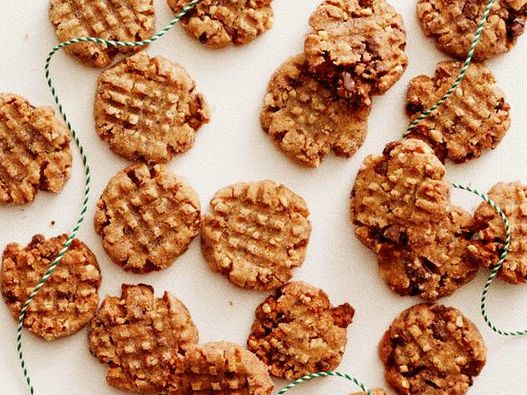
x=297 y=331
x=452 y=24
x=34 y=150
x=106 y=19
x=220 y=23
x=357 y=46
x=147 y=109
x=307 y=120
x=67 y=301
x=432 y=349
x=489 y=239
x=141 y=338
x=473 y=119
x=220 y=368
x=147 y=217
x=374 y=391
x=256 y=235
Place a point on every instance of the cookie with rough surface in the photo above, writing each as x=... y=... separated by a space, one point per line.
x=489 y=239
x=256 y=234
x=147 y=217
x=67 y=301
x=307 y=119
x=375 y=391
x=141 y=338
x=220 y=23
x=34 y=150
x=357 y=46
x=297 y=331
x=121 y=20
x=220 y=368
x=432 y=350
x=147 y=109
x=452 y=23
x=475 y=118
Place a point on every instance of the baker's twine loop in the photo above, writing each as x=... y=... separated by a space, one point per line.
x=312 y=376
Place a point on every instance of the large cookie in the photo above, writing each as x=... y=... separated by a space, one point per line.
x=357 y=46
x=297 y=331
x=147 y=109
x=307 y=119
x=432 y=350
x=34 y=150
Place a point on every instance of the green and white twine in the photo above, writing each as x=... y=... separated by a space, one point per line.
x=312 y=376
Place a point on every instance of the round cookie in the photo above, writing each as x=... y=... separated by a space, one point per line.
x=67 y=301
x=489 y=239
x=106 y=19
x=473 y=119
x=147 y=217
x=357 y=46
x=307 y=119
x=374 y=391
x=222 y=368
x=297 y=331
x=34 y=150
x=220 y=23
x=256 y=234
x=452 y=24
x=147 y=109
x=432 y=349
x=141 y=338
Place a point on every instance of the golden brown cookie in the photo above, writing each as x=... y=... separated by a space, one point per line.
x=67 y=301
x=147 y=109
x=453 y=23
x=432 y=350
x=297 y=331
x=121 y=20
x=34 y=150
x=147 y=217
x=374 y=391
x=473 y=119
x=489 y=239
x=357 y=46
x=256 y=234
x=141 y=338
x=220 y=368
x=307 y=119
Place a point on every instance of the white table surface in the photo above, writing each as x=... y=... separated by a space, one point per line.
x=234 y=148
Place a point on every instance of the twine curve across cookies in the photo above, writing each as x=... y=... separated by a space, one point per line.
x=312 y=376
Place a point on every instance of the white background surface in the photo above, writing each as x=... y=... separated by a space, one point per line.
x=233 y=148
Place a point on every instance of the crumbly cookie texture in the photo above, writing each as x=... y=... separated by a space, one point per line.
x=220 y=368
x=374 y=391
x=489 y=239
x=357 y=46
x=307 y=119
x=297 y=331
x=67 y=301
x=473 y=119
x=401 y=209
x=147 y=217
x=432 y=349
x=122 y=20
x=256 y=234
x=141 y=338
x=220 y=23
x=34 y=150
x=147 y=109
x=452 y=25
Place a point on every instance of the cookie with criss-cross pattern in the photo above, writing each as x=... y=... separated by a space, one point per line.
x=67 y=301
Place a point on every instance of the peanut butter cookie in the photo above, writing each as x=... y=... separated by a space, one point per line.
x=297 y=331
x=307 y=119
x=220 y=23
x=432 y=350
x=147 y=109
x=121 y=20
x=67 y=301
x=375 y=391
x=147 y=217
x=141 y=338
x=256 y=234
x=34 y=150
